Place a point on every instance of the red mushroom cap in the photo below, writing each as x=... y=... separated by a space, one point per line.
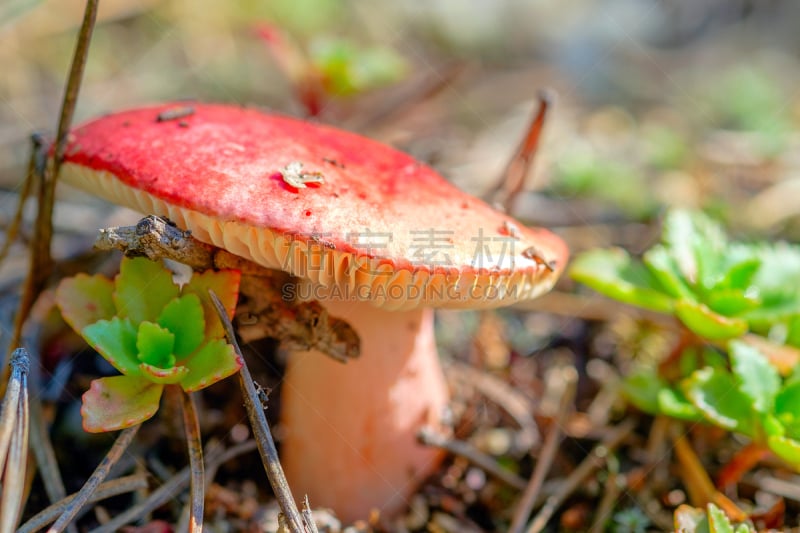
x=377 y=219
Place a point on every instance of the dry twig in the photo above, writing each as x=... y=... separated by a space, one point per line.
x=261 y=432
x=14 y=440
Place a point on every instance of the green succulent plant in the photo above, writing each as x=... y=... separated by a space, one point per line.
x=751 y=398
x=709 y=520
x=155 y=332
x=717 y=288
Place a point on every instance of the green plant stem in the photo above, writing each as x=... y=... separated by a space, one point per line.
x=100 y=473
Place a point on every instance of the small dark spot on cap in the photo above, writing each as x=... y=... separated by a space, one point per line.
x=183 y=124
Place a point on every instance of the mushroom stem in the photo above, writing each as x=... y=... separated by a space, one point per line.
x=351 y=428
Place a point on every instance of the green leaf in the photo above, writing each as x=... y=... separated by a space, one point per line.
x=155 y=345
x=706 y=323
x=776 y=282
x=212 y=362
x=184 y=317
x=786 y=448
x=793 y=331
x=741 y=274
x=115 y=340
x=663 y=267
x=673 y=402
x=692 y=239
x=225 y=284
x=613 y=273
x=119 y=402
x=688 y=519
x=641 y=389
x=787 y=408
x=718 y=521
x=757 y=378
x=164 y=376
x=84 y=300
x=143 y=289
x=731 y=302
x=716 y=395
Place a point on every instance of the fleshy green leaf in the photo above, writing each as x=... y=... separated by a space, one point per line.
x=155 y=345
x=787 y=408
x=613 y=273
x=740 y=275
x=706 y=323
x=119 y=402
x=674 y=403
x=730 y=302
x=142 y=289
x=115 y=340
x=688 y=519
x=164 y=376
x=718 y=521
x=776 y=283
x=785 y=448
x=692 y=238
x=212 y=362
x=757 y=378
x=641 y=389
x=716 y=395
x=184 y=317
x=225 y=284
x=663 y=268
x=84 y=300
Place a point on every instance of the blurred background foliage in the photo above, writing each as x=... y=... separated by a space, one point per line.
x=661 y=102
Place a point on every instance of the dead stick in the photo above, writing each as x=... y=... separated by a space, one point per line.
x=266 y=446
x=167 y=491
x=596 y=458
x=430 y=437
x=529 y=497
x=196 y=485
x=105 y=490
x=41 y=260
x=98 y=476
x=514 y=176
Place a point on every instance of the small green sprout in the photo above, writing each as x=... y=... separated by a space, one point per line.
x=153 y=331
x=716 y=288
x=710 y=520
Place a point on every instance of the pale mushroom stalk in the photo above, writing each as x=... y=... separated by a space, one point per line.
x=351 y=429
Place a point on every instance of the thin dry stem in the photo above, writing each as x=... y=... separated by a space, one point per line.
x=41 y=261
x=106 y=490
x=430 y=437
x=595 y=459
x=168 y=490
x=513 y=179
x=261 y=432
x=14 y=427
x=195 y=449
x=100 y=473
x=549 y=450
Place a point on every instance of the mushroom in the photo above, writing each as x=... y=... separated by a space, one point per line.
x=379 y=238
